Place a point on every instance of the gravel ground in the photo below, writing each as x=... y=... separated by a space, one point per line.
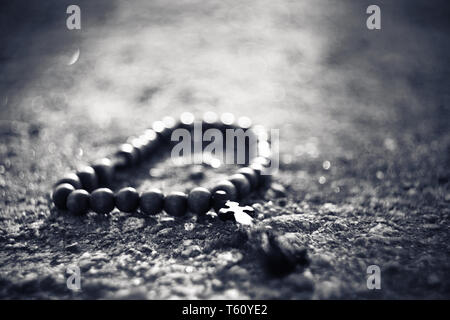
x=364 y=146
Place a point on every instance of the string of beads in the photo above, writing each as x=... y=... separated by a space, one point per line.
x=89 y=188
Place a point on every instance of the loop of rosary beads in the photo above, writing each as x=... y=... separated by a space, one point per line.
x=87 y=189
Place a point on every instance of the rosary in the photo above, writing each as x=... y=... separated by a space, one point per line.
x=89 y=188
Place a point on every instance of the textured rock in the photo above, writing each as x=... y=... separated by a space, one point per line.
x=281 y=254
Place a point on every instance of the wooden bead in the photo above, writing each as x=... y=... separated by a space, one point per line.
x=127 y=199
x=152 y=201
x=88 y=178
x=60 y=195
x=242 y=185
x=129 y=154
x=104 y=170
x=175 y=204
x=139 y=148
x=227 y=119
x=228 y=187
x=78 y=202
x=251 y=176
x=102 y=200
x=199 y=200
x=164 y=128
x=257 y=168
x=142 y=145
x=72 y=179
x=118 y=161
x=263 y=179
x=219 y=199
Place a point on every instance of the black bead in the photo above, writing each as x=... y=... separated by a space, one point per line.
x=127 y=199
x=78 y=202
x=199 y=200
x=60 y=195
x=129 y=154
x=263 y=179
x=219 y=199
x=175 y=204
x=257 y=168
x=241 y=183
x=102 y=200
x=139 y=148
x=70 y=178
x=228 y=187
x=88 y=178
x=152 y=201
x=151 y=142
x=251 y=176
x=105 y=171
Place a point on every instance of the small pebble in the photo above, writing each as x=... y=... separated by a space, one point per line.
x=279 y=190
x=238 y=272
x=199 y=200
x=242 y=185
x=78 y=202
x=175 y=204
x=191 y=251
x=88 y=178
x=60 y=195
x=228 y=187
x=127 y=199
x=152 y=201
x=102 y=200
